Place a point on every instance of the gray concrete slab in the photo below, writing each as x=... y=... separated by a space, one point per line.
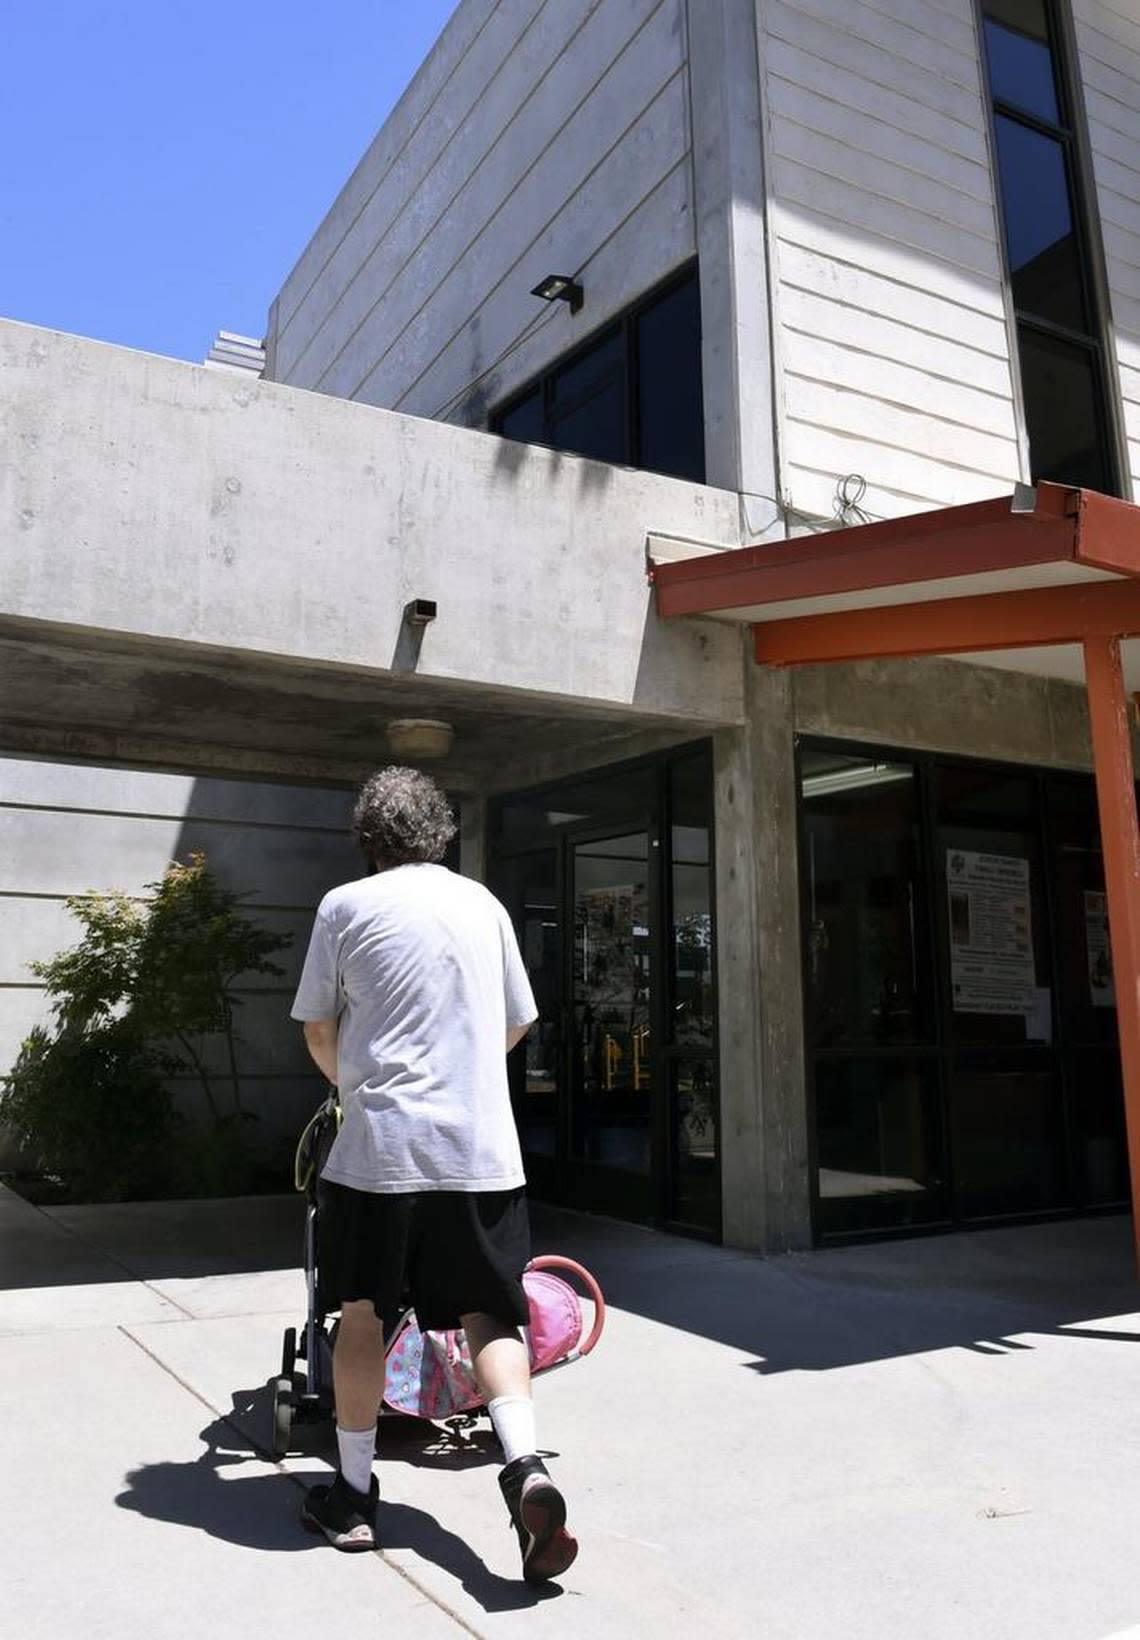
x=933 y=1437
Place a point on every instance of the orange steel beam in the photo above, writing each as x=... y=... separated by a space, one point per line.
x=978 y=538
x=948 y=626
x=1120 y=839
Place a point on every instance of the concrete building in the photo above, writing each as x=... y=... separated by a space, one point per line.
x=820 y=951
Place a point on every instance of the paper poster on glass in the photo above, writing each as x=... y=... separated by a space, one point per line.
x=1101 y=989
x=991 y=933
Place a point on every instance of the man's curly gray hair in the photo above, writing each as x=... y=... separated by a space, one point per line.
x=402 y=817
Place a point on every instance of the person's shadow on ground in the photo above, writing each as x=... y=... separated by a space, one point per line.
x=262 y=1511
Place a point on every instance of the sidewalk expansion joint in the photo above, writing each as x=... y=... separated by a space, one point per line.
x=264 y=1453
x=117 y=1262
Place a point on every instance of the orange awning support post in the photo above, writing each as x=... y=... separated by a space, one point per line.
x=1120 y=839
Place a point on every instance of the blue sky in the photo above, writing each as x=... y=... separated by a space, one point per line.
x=164 y=162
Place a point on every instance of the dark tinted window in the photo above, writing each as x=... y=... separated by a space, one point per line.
x=524 y=420
x=1062 y=399
x=1060 y=334
x=631 y=396
x=588 y=371
x=1020 y=61
x=596 y=426
x=1044 y=257
x=671 y=435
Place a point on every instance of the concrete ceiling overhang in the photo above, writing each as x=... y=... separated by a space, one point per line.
x=124 y=699
x=1015 y=582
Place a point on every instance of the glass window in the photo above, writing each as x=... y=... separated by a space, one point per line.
x=524 y=420
x=868 y=961
x=691 y=952
x=1008 y=1140
x=1062 y=410
x=1044 y=258
x=589 y=370
x=671 y=433
x=695 y=1147
x=1019 y=58
x=879 y=1148
x=595 y=427
x=537 y=817
x=644 y=372
x=528 y=886
x=611 y=1002
x=997 y=933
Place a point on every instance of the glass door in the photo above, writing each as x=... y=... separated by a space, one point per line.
x=528 y=884
x=611 y=1117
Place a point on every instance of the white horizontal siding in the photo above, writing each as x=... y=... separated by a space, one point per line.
x=1108 y=40
x=891 y=337
x=561 y=130
x=75 y=828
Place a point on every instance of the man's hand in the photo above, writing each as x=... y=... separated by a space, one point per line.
x=320 y=1039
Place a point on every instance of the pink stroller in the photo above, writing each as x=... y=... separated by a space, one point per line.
x=429 y=1375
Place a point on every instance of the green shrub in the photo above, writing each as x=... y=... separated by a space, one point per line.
x=144 y=996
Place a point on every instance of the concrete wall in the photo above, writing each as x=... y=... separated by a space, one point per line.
x=159 y=499
x=1108 y=39
x=537 y=138
x=948 y=706
x=67 y=828
x=891 y=350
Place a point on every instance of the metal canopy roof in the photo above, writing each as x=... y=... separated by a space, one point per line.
x=1035 y=539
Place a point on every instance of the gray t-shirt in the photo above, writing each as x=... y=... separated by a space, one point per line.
x=423 y=971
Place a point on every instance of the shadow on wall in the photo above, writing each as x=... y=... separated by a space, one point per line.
x=281 y=847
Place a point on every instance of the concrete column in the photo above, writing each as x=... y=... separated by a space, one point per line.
x=473 y=838
x=764 y=1161
x=728 y=171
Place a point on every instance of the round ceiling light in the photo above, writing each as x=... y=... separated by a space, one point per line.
x=420 y=737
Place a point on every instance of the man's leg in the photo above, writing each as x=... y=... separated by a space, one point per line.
x=502 y=1371
x=358 y=1366
x=537 y=1508
x=345 y=1511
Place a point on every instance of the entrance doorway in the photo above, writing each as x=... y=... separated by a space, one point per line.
x=609 y=883
x=958 y=981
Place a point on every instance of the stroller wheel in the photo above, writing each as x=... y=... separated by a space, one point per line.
x=282 y=1416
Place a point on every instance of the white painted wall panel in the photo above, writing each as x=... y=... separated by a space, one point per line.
x=1108 y=42
x=561 y=132
x=890 y=329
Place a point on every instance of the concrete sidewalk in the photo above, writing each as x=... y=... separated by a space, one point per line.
x=934 y=1438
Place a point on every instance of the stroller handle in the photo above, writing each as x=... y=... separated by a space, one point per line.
x=556 y=1261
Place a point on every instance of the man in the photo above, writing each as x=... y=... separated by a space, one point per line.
x=412 y=994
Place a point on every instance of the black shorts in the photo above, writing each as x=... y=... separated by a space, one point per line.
x=447 y=1252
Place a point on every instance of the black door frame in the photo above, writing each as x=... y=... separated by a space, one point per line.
x=568 y=1179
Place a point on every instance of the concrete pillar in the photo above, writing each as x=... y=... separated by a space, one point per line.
x=473 y=838
x=764 y=1130
x=736 y=349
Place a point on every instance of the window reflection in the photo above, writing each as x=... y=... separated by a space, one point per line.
x=611 y=1001
x=1020 y=62
x=866 y=943
x=632 y=395
x=878 y=1143
x=1044 y=258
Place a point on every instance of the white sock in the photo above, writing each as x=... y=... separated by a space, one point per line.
x=357 y=1448
x=512 y=1417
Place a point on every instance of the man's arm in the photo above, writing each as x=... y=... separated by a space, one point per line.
x=515 y=1034
x=320 y=1039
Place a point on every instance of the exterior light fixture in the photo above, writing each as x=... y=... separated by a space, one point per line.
x=559 y=287
x=420 y=737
